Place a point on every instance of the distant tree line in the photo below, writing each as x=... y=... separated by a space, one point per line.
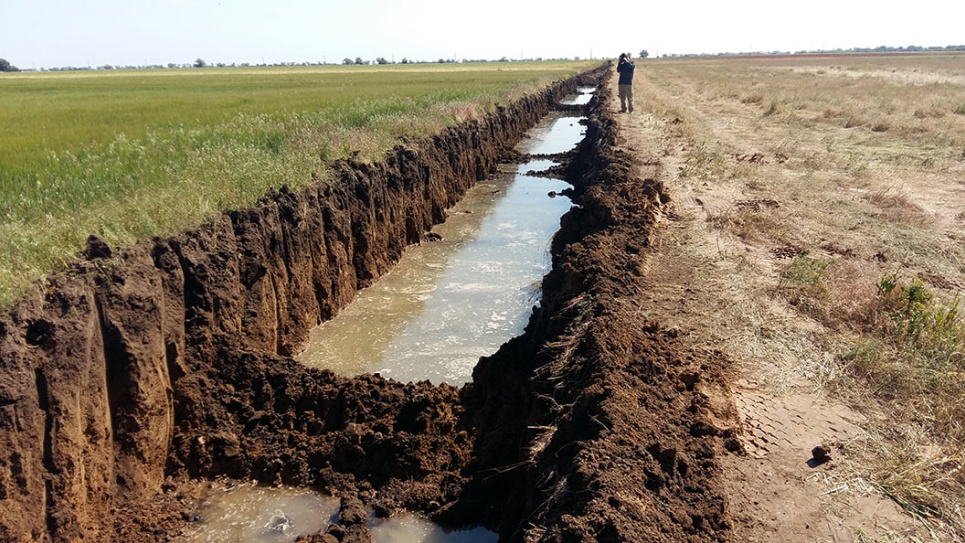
x=839 y=51
x=5 y=66
x=201 y=63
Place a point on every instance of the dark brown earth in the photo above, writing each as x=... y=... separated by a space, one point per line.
x=131 y=376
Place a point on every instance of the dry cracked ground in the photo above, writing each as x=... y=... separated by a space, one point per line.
x=815 y=238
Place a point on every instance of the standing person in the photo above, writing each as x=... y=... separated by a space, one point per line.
x=625 y=69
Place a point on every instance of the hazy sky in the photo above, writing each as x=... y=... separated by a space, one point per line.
x=56 y=33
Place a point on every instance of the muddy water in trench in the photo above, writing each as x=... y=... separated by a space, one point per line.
x=443 y=306
x=584 y=94
x=449 y=302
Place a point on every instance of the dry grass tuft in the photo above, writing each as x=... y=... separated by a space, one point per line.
x=855 y=120
x=897 y=206
x=747 y=224
x=752 y=97
x=881 y=125
x=773 y=108
x=927 y=484
x=930 y=112
x=462 y=114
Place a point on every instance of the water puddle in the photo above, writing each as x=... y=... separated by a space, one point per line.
x=412 y=528
x=582 y=98
x=448 y=303
x=252 y=514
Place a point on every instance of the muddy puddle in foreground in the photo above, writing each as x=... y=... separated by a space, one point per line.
x=443 y=306
x=247 y=513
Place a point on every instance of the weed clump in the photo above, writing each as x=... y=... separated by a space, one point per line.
x=913 y=360
x=802 y=283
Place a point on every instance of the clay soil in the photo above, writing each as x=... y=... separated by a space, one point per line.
x=595 y=425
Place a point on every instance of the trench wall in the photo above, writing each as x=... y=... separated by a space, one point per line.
x=104 y=368
x=596 y=424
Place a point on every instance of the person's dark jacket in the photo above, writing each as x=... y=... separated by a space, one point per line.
x=625 y=69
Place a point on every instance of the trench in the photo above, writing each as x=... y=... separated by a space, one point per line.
x=450 y=300
x=457 y=298
x=591 y=425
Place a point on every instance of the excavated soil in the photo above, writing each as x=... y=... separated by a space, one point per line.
x=130 y=379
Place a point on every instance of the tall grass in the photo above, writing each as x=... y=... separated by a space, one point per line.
x=133 y=154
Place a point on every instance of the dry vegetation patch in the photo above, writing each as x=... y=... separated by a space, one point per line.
x=831 y=198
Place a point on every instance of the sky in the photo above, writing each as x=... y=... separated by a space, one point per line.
x=58 y=33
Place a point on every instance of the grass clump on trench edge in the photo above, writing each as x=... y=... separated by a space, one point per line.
x=134 y=154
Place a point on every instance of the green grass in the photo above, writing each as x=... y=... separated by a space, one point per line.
x=133 y=154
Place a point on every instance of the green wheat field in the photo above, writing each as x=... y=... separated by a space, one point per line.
x=134 y=154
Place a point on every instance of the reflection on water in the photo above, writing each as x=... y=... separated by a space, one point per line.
x=583 y=98
x=251 y=514
x=450 y=302
x=562 y=135
x=411 y=528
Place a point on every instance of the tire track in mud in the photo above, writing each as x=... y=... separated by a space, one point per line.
x=593 y=425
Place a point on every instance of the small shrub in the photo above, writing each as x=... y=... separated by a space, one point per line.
x=773 y=108
x=801 y=283
x=804 y=271
x=910 y=357
x=881 y=125
x=755 y=97
x=934 y=331
x=913 y=355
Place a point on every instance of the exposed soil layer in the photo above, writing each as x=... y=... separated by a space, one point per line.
x=121 y=381
x=596 y=424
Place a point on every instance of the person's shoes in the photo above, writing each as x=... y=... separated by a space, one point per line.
x=623 y=111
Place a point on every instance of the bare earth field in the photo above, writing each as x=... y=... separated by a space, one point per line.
x=799 y=185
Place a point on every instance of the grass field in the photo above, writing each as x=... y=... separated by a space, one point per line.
x=133 y=154
x=833 y=189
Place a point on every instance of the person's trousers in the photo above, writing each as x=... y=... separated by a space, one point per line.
x=626 y=97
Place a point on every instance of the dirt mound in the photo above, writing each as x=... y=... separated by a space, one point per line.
x=276 y=421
